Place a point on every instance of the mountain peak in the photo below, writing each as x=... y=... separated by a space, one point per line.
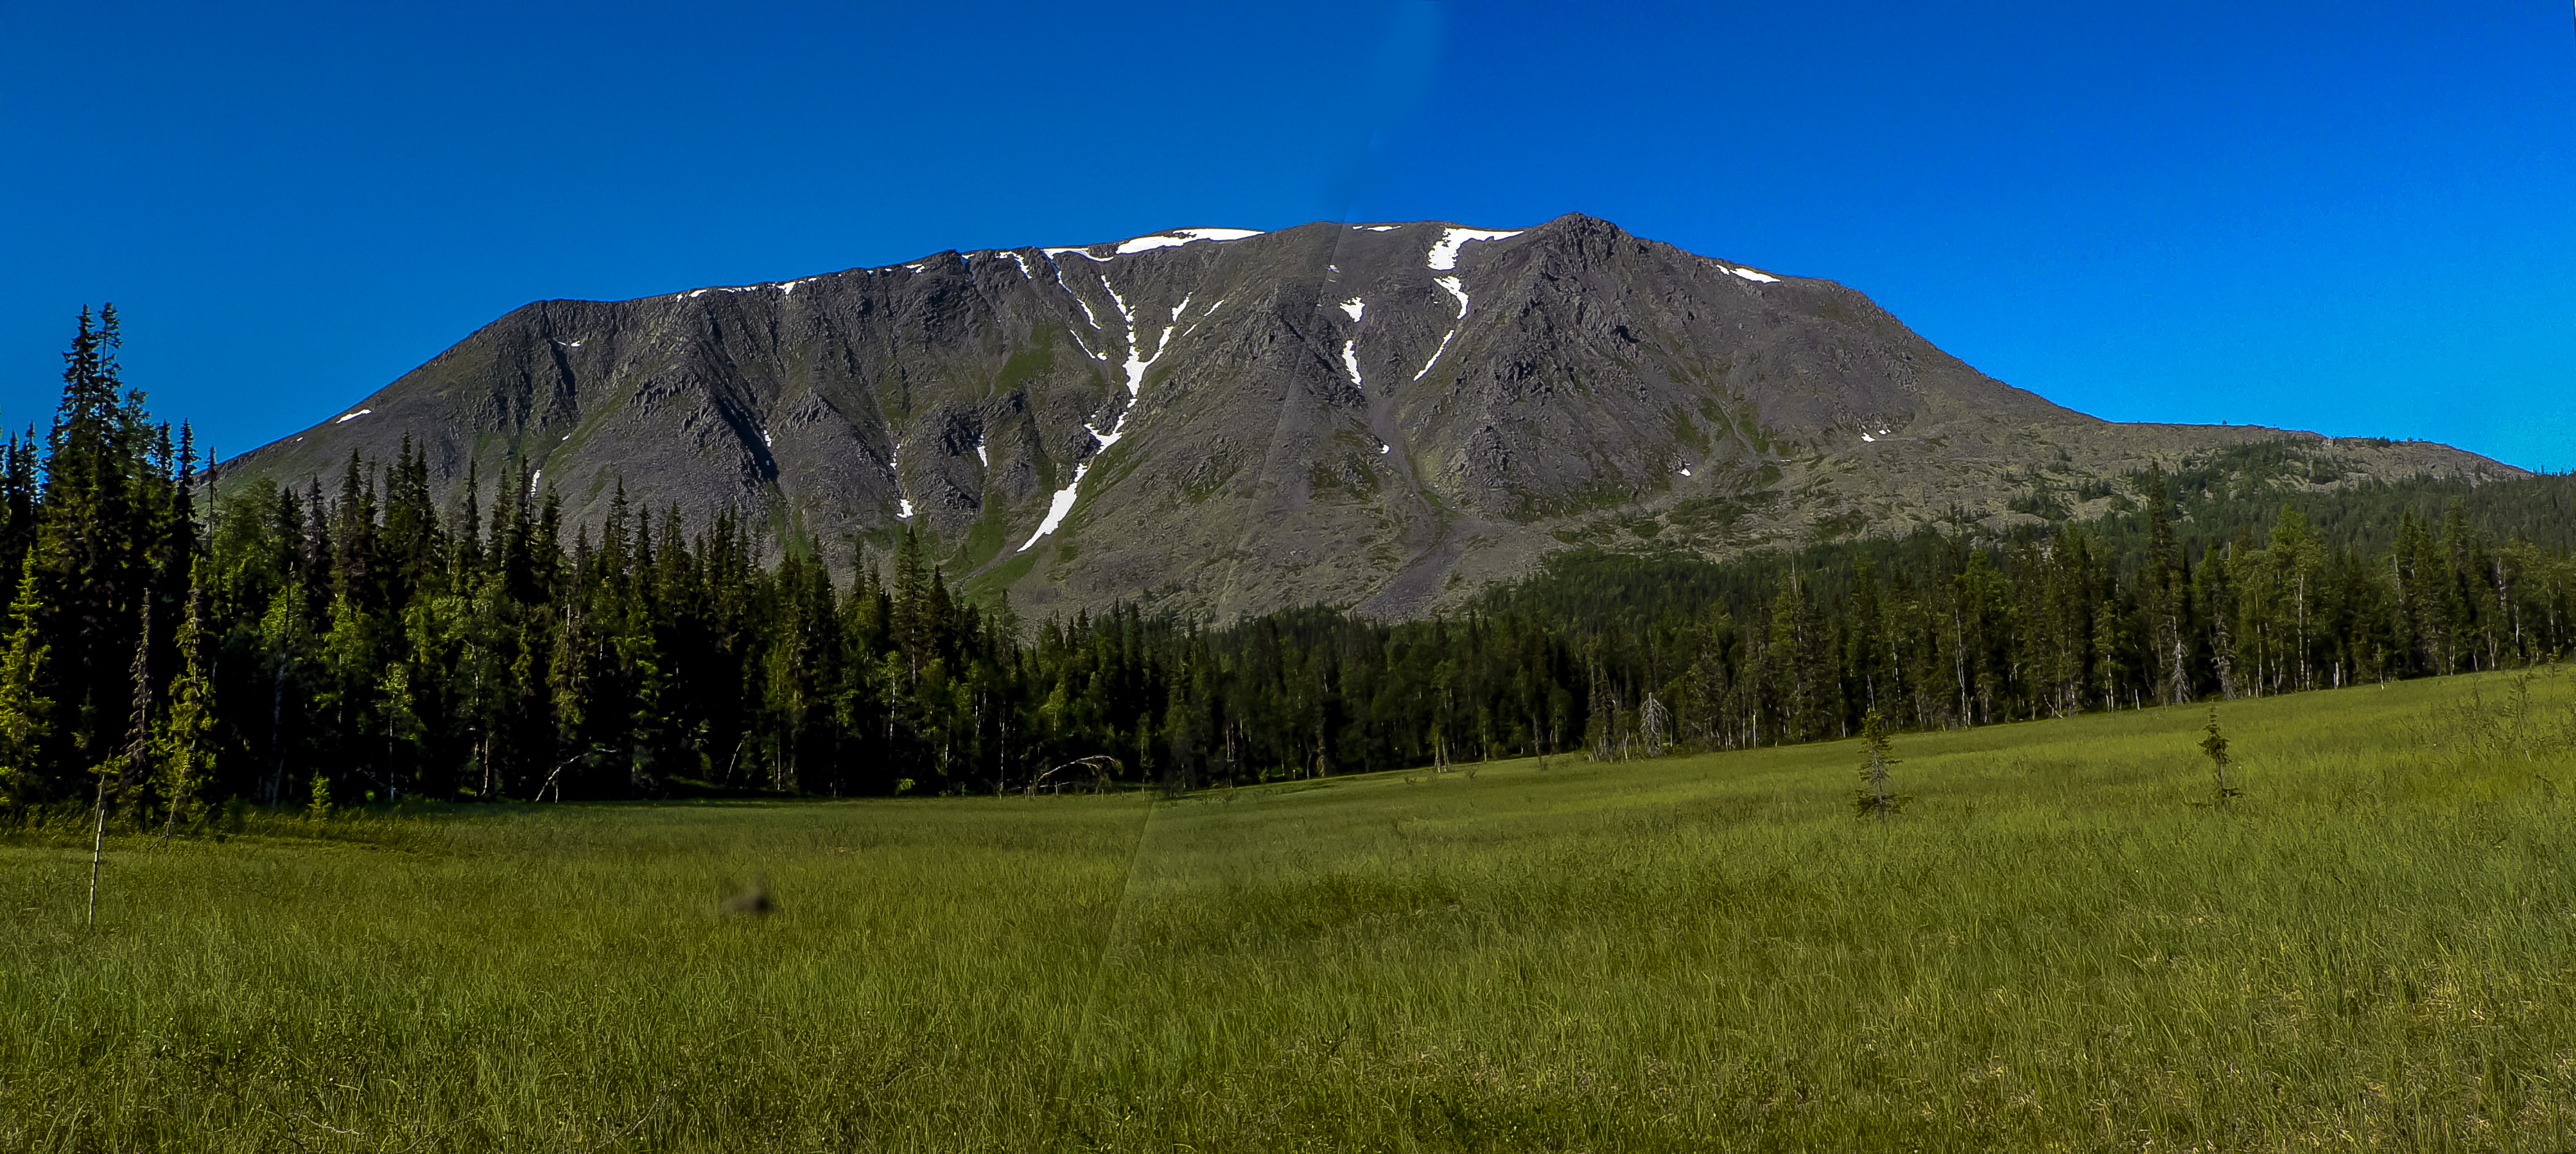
x=1226 y=420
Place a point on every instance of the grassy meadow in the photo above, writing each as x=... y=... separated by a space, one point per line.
x=2060 y=945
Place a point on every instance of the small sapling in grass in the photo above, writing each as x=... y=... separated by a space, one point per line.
x=318 y=808
x=2215 y=745
x=2512 y=724
x=1874 y=800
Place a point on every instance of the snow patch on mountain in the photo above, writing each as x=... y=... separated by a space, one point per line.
x=1456 y=288
x=1203 y=317
x=1057 y=508
x=1445 y=338
x=1061 y=505
x=1355 y=307
x=894 y=465
x=1181 y=236
x=1444 y=252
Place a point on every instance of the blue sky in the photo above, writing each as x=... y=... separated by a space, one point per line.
x=2353 y=218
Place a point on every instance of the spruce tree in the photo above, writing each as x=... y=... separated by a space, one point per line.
x=24 y=709
x=183 y=753
x=137 y=755
x=2163 y=587
x=911 y=625
x=95 y=540
x=1875 y=800
x=2214 y=747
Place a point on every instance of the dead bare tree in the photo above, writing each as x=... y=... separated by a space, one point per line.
x=1102 y=767
x=1651 y=720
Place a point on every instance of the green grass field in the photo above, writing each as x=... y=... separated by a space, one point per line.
x=2054 y=948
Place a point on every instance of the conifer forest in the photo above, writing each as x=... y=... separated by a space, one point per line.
x=172 y=645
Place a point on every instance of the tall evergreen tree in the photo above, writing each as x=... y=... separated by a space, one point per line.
x=25 y=711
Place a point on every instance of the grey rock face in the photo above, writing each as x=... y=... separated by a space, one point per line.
x=1226 y=423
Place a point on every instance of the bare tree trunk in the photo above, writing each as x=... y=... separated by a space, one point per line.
x=276 y=734
x=2180 y=678
x=97 y=844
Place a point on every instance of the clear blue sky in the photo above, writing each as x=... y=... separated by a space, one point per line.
x=2353 y=218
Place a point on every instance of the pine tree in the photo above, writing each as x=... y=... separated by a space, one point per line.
x=2298 y=560
x=1797 y=663
x=24 y=709
x=2222 y=590
x=358 y=634
x=2214 y=746
x=138 y=733
x=95 y=538
x=1870 y=667
x=183 y=753
x=1875 y=801
x=2106 y=654
x=911 y=627
x=1982 y=613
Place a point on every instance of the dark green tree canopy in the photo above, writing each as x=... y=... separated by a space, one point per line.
x=357 y=632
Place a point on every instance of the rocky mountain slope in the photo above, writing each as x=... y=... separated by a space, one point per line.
x=1225 y=422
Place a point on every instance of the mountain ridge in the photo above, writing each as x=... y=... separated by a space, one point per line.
x=1224 y=421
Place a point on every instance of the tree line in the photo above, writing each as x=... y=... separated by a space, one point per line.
x=166 y=650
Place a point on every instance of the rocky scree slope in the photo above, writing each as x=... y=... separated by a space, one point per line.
x=1223 y=422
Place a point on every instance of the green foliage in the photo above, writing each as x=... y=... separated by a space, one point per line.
x=2213 y=745
x=357 y=629
x=1875 y=800
x=23 y=706
x=2526 y=719
x=180 y=750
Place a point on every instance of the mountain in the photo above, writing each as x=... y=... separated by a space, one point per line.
x=1223 y=422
